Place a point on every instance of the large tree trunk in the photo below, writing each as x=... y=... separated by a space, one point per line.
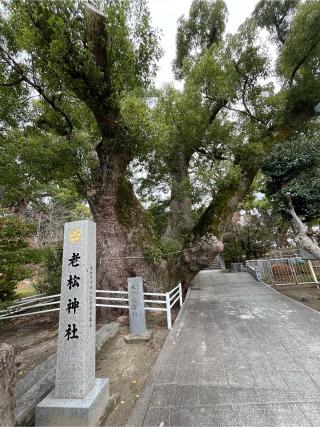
x=123 y=231
x=198 y=255
x=282 y=230
x=180 y=220
x=300 y=232
x=218 y=215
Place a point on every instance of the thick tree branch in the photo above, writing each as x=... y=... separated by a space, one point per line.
x=303 y=60
x=277 y=23
x=218 y=214
x=50 y=99
x=243 y=94
x=211 y=156
x=298 y=226
x=301 y=238
x=244 y=112
x=219 y=104
x=94 y=89
x=243 y=97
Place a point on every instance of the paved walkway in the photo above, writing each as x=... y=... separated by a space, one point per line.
x=240 y=354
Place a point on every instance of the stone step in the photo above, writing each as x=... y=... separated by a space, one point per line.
x=215 y=265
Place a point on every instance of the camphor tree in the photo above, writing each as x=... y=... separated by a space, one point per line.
x=254 y=230
x=293 y=171
x=229 y=116
x=75 y=98
x=15 y=253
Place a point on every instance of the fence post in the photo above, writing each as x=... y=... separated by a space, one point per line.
x=169 y=322
x=293 y=271
x=312 y=271
x=180 y=294
x=272 y=274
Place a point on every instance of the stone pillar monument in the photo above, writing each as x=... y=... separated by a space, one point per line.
x=78 y=399
x=7 y=385
x=137 y=316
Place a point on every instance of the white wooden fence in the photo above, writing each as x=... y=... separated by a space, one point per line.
x=40 y=304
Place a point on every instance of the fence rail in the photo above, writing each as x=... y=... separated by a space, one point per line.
x=104 y=298
x=287 y=271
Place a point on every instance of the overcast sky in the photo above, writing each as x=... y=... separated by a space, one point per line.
x=165 y=14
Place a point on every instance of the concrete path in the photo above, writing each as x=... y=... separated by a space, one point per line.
x=240 y=354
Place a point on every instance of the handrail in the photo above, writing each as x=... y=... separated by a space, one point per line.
x=35 y=299
x=174 y=295
x=170 y=292
x=111 y=292
x=169 y=300
x=29 y=314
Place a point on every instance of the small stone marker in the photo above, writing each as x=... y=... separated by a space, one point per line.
x=78 y=398
x=7 y=385
x=137 y=315
x=258 y=274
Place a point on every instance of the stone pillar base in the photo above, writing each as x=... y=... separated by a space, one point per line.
x=131 y=339
x=89 y=411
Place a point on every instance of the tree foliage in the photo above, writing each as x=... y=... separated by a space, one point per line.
x=86 y=119
x=293 y=168
x=204 y=27
x=15 y=253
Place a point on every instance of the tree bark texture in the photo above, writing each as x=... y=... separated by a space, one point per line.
x=180 y=219
x=124 y=233
x=220 y=211
x=282 y=229
x=7 y=385
x=300 y=233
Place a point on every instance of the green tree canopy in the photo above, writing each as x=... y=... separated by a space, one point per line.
x=294 y=168
x=86 y=119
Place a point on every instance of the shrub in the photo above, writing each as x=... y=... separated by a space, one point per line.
x=51 y=283
x=15 y=253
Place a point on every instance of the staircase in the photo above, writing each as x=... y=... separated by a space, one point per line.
x=216 y=264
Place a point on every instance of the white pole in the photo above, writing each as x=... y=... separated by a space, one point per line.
x=180 y=294
x=169 y=323
x=312 y=271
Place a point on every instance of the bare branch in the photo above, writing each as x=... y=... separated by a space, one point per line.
x=213 y=157
x=243 y=93
x=239 y=111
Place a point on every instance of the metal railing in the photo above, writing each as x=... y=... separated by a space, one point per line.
x=255 y=272
x=287 y=271
x=40 y=304
x=33 y=302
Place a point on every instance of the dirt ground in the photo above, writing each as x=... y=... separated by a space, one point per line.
x=34 y=339
x=126 y=365
x=306 y=294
